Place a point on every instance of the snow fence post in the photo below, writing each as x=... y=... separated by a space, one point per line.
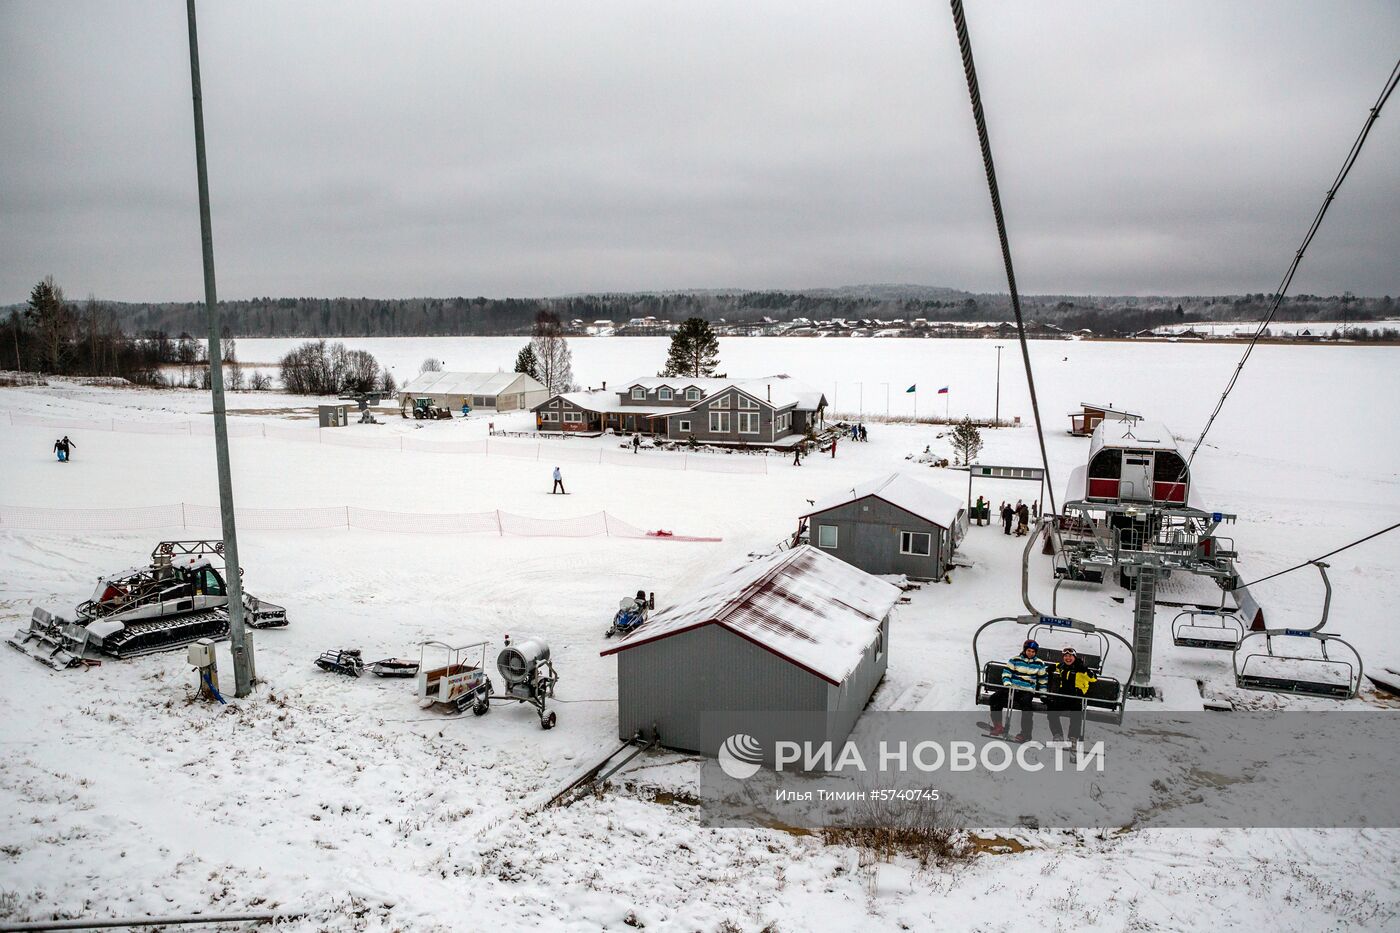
x=499 y=530
x=537 y=450
x=184 y=523
x=347 y=516
x=400 y=443
x=607 y=532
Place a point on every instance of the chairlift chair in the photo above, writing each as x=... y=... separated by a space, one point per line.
x=1105 y=699
x=1280 y=671
x=1221 y=629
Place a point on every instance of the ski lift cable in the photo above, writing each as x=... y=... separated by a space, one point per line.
x=978 y=116
x=1347 y=164
x=1321 y=557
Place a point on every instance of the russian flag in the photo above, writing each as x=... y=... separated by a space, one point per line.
x=943 y=391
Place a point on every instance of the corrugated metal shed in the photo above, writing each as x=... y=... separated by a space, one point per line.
x=810 y=608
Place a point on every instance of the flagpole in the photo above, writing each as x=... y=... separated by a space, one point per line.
x=947 y=400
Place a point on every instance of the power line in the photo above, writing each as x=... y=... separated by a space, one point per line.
x=1298 y=256
x=965 y=45
x=1309 y=563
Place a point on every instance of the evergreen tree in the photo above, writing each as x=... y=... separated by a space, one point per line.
x=526 y=363
x=694 y=350
x=966 y=440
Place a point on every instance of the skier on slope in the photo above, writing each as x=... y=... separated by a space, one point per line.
x=558 y=483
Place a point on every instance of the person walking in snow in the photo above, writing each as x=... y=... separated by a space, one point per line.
x=833 y=447
x=797 y=455
x=558 y=483
x=59 y=451
x=1007 y=513
x=1023 y=519
x=636 y=443
x=1025 y=676
x=1035 y=510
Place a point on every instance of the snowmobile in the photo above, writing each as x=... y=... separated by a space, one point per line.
x=631 y=612
x=345 y=661
x=179 y=598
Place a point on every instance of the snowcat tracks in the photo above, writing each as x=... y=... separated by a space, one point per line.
x=139 y=638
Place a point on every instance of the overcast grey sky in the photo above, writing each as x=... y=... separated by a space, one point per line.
x=412 y=148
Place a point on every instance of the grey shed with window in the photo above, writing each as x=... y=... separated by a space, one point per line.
x=891 y=525
x=797 y=631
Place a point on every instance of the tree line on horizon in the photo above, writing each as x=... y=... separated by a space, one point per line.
x=433 y=317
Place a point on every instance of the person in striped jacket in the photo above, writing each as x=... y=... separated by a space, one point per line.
x=1025 y=675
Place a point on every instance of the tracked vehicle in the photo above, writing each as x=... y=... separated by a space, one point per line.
x=179 y=598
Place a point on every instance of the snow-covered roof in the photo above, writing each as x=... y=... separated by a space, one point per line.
x=901 y=491
x=782 y=391
x=1132 y=435
x=445 y=383
x=810 y=608
x=705 y=384
x=604 y=401
x=1107 y=410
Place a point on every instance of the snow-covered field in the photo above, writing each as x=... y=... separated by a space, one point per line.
x=120 y=796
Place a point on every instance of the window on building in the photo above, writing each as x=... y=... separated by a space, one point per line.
x=683 y=425
x=554 y=404
x=664 y=394
x=917 y=543
x=826 y=536
x=639 y=393
x=880 y=642
x=549 y=416
x=746 y=402
x=748 y=422
x=490 y=401
x=721 y=402
x=573 y=417
x=780 y=424
x=719 y=422
x=692 y=395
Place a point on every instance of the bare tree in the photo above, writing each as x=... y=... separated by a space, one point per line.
x=430 y=366
x=554 y=365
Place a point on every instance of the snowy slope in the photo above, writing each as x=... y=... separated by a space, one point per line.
x=120 y=797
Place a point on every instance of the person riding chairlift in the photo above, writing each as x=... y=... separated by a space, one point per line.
x=1069 y=682
x=1025 y=676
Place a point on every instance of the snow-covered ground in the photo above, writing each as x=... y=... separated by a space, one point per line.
x=120 y=796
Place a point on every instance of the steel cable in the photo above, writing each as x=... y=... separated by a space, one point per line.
x=1350 y=160
x=1309 y=563
x=979 y=117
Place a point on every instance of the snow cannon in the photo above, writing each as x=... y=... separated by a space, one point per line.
x=518 y=662
x=529 y=676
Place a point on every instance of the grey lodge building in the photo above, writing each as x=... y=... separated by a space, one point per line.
x=770 y=411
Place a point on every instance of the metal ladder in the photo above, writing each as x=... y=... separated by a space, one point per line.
x=1144 y=621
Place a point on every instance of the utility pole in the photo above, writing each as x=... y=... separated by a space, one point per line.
x=243 y=669
x=996 y=418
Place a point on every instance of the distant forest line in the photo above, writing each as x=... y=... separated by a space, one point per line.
x=434 y=317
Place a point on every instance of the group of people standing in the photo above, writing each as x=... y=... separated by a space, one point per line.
x=1021 y=515
x=63 y=449
x=1062 y=683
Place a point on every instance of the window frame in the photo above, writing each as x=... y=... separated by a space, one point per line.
x=726 y=419
x=552 y=417
x=692 y=394
x=747 y=403
x=723 y=402
x=683 y=424
x=835 y=537
x=573 y=417
x=753 y=418
x=639 y=398
x=906 y=541
x=664 y=394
